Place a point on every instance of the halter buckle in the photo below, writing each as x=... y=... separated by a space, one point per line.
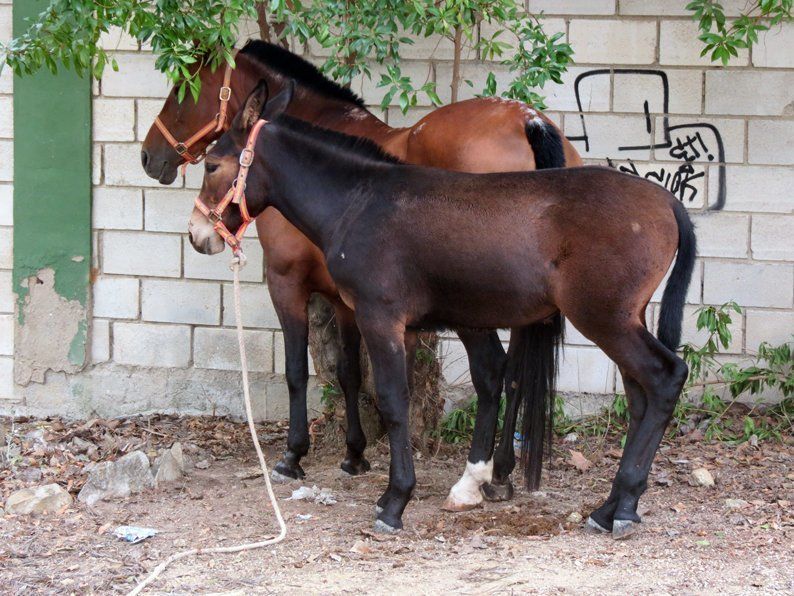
x=214 y=216
x=180 y=148
x=225 y=94
x=246 y=157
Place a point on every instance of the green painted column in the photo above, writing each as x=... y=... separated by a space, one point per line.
x=52 y=216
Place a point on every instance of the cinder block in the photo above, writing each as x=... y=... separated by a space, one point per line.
x=113 y=119
x=454 y=363
x=722 y=234
x=572 y=6
x=771 y=326
x=257 y=307
x=96 y=164
x=168 y=301
x=757 y=188
x=219 y=349
x=632 y=90
x=6 y=161
x=774 y=47
x=279 y=356
x=116 y=297
x=7 y=81
x=6 y=22
x=610 y=136
x=749 y=92
x=100 y=341
x=586 y=370
x=117 y=208
x=148 y=110
x=123 y=167
x=7 y=379
x=771 y=142
x=7 y=117
x=6 y=248
x=679 y=45
x=6 y=292
x=117 y=39
x=611 y=41
x=201 y=266
x=773 y=238
x=665 y=8
x=7 y=335
x=168 y=209
x=136 y=77
x=6 y=205
x=142 y=253
x=144 y=344
x=749 y=284
x=699 y=144
x=593 y=92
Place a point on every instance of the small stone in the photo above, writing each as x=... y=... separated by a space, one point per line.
x=574 y=518
x=166 y=468
x=735 y=503
x=702 y=477
x=42 y=499
x=178 y=455
x=118 y=479
x=571 y=438
x=203 y=464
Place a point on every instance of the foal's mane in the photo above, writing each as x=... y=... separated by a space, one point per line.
x=293 y=66
x=357 y=146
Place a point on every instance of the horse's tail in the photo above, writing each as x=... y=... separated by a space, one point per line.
x=546 y=142
x=672 y=309
x=534 y=372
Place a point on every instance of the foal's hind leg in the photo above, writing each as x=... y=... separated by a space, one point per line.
x=486 y=363
x=650 y=368
x=348 y=371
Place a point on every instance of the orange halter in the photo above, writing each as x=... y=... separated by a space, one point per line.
x=217 y=124
x=236 y=194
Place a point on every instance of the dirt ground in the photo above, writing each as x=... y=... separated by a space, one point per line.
x=691 y=541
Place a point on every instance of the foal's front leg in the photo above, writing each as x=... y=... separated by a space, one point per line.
x=385 y=340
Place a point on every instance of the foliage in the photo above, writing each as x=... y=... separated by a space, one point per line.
x=458 y=425
x=722 y=38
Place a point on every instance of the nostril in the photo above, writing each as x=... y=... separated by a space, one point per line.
x=190 y=236
x=144 y=158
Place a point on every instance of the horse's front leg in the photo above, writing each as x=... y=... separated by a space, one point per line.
x=290 y=299
x=385 y=340
x=487 y=364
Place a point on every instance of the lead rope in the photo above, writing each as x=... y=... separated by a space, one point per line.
x=238 y=261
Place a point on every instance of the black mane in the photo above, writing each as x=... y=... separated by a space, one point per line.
x=356 y=145
x=305 y=73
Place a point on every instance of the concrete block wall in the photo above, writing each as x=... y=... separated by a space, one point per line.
x=7 y=393
x=162 y=334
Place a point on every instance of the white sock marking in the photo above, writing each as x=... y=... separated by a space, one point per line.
x=467 y=489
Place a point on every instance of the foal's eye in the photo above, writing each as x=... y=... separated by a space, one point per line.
x=210 y=167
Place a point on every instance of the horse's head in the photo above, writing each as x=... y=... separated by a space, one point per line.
x=222 y=167
x=183 y=130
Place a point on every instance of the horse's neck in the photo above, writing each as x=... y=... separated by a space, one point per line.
x=327 y=112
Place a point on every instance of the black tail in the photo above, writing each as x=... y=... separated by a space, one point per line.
x=546 y=143
x=534 y=371
x=672 y=309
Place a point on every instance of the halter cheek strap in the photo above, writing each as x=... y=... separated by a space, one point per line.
x=236 y=195
x=217 y=124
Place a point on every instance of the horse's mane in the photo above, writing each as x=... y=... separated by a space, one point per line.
x=358 y=146
x=305 y=73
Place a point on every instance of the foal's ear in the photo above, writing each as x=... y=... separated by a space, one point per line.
x=280 y=101
x=254 y=106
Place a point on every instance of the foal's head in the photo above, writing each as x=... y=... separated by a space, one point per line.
x=222 y=165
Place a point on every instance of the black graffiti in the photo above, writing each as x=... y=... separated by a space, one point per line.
x=685 y=143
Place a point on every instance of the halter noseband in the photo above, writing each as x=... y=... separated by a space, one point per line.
x=217 y=124
x=236 y=194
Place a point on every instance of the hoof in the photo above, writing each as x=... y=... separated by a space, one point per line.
x=454 y=505
x=381 y=527
x=279 y=478
x=593 y=527
x=355 y=467
x=623 y=528
x=294 y=472
x=493 y=491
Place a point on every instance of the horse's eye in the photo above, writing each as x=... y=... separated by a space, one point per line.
x=210 y=167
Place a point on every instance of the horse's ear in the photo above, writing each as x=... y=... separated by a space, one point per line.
x=280 y=101
x=254 y=106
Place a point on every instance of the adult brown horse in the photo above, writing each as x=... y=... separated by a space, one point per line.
x=410 y=247
x=479 y=135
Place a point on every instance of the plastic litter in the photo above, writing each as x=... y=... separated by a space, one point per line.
x=319 y=496
x=133 y=534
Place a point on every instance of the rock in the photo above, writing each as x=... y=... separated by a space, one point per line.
x=79 y=446
x=118 y=479
x=735 y=503
x=166 y=468
x=203 y=464
x=30 y=474
x=42 y=499
x=571 y=438
x=702 y=477
x=179 y=456
x=574 y=518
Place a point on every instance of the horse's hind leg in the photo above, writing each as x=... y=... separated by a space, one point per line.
x=653 y=377
x=487 y=364
x=348 y=371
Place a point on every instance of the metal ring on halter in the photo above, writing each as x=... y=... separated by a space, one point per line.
x=246 y=157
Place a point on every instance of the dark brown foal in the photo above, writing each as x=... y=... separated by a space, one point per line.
x=411 y=248
x=479 y=135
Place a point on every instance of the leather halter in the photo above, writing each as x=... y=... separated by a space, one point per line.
x=236 y=194
x=217 y=124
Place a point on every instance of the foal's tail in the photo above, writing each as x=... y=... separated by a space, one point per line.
x=546 y=143
x=533 y=368
x=672 y=310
